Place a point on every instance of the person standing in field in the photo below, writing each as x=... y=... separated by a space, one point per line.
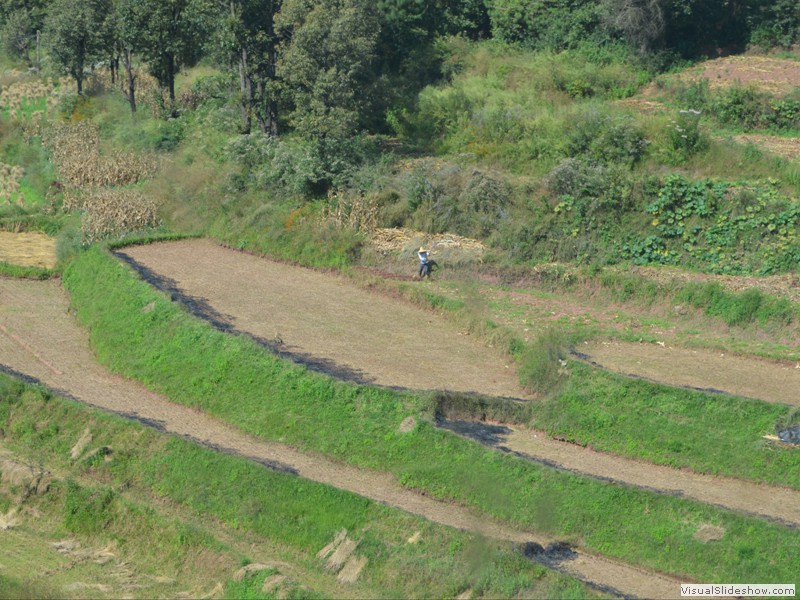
x=424 y=263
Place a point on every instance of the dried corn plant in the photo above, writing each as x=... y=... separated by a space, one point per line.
x=10 y=177
x=110 y=212
x=352 y=212
x=148 y=92
x=18 y=94
x=76 y=153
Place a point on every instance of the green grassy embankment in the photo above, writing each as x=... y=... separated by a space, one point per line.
x=109 y=497
x=239 y=382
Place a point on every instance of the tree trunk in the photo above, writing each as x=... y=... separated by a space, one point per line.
x=271 y=125
x=245 y=82
x=246 y=88
x=170 y=65
x=131 y=79
x=77 y=69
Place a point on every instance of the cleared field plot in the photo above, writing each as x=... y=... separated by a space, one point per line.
x=768 y=74
x=322 y=321
x=39 y=339
x=28 y=249
x=702 y=369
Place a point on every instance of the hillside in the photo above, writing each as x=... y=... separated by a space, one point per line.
x=592 y=395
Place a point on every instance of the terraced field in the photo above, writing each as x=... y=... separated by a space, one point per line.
x=322 y=321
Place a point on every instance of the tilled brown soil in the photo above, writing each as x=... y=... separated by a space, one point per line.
x=39 y=339
x=322 y=320
x=771 y=381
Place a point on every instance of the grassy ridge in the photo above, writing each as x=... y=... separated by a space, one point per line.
x=283 y=510
x=681 y=428
x=234 y=379
x=9 y=270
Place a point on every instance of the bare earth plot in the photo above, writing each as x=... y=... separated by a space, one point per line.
x=704 y=369
x=322 y=320
x=767 y=74
x=39 y=339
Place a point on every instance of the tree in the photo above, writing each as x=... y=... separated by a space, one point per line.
x=131 y=30
x=248 y=40
x=641 y=22
x=36 y=9
x=438 y=17
x=325 y=64
x=77 y=33
x=174 y=36
x=19 y=35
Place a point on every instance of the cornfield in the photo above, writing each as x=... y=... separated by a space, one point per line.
x=9 y=184
x=76 y=153
x=404 y=242
x=19 y=94
x=109 y=212
x=356 y=213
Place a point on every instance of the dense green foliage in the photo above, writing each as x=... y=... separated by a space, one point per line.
x=533 y=157
x=77 y=35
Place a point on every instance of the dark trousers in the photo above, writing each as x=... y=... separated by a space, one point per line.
x=424 y=269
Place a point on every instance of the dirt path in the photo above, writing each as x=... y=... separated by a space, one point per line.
x=323 y=321
x=703 y=369
x=39 y=339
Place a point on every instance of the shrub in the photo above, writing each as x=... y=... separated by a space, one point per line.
x=543 y=365
x=607 y=140
x=684 y=136
x=87 y=511
x=737 y=309
x=577 y=178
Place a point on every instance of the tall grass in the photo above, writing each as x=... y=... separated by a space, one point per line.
x=738 y=308
x=233 y=379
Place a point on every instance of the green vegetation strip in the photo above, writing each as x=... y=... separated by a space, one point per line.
x=9 y=270
x=290 y=512
x=239 y=382
x=707 y=433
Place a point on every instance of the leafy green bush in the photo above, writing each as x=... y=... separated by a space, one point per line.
x=293 y=166
x=684 y=135
x=578 y=178
x=607 y=140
